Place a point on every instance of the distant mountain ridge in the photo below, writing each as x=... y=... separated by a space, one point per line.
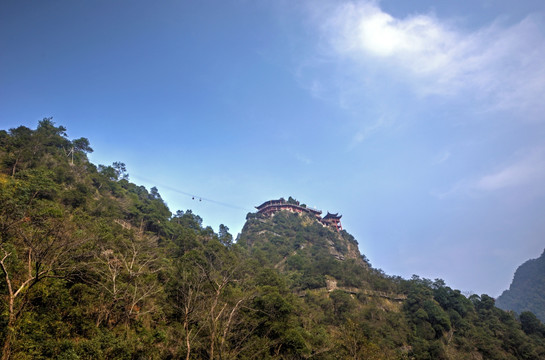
x=527 y=291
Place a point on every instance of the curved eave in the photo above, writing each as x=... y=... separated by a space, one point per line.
x=332 y=216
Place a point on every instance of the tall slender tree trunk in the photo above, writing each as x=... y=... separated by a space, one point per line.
x=226 y=328
x=15 y=166
x=187 y=332
x=6 y=349
x=214 y=321
x=7 y=346
x=213 y=325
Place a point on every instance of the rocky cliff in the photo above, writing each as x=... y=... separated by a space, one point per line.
x=527 y=291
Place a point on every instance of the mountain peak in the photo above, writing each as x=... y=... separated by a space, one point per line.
x=292 y=237
x=527 y=290
x=271 y=207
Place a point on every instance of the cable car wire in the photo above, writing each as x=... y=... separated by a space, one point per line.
x=192 y=195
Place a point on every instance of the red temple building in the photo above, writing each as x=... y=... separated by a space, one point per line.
x=272 y=206
x=333 y=220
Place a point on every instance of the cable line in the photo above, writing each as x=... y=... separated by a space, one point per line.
x=192 y=196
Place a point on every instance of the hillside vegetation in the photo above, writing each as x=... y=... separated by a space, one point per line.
x=96 y=267
x=527 y=291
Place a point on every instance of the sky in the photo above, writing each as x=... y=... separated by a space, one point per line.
x=421 y=122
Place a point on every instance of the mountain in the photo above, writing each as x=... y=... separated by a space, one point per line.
x=432 y=321
x=298 y=242
x=527 y=290
x=94 y=266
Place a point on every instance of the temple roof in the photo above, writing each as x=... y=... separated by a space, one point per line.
x=271 y=202
x=284 y=203
x=311 y=210
x=332 y=216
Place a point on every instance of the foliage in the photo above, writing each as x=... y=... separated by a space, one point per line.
x=96 y=267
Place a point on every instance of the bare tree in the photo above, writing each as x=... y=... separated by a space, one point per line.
x=208 y=293
x=124 y=271
x=224 y=276
x=33 y=249
x=189 y=301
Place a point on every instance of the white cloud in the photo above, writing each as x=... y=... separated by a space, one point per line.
x=526 y=170
x=369 y=130
x=364 y=29
x=316 y=89
x=441 y=157
x=460 y=187
x=500 y=65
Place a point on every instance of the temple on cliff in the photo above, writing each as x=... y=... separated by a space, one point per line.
x=272 y=206
x=333 y=220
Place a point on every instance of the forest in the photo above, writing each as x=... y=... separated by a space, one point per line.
x=94 y=266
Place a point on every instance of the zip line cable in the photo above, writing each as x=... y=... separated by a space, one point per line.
x=192 y=196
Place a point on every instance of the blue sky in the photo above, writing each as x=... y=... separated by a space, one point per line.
x=421 y=122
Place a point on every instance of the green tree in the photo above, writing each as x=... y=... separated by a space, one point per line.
x=38 y=241
x=224 y=236
x=531 y=324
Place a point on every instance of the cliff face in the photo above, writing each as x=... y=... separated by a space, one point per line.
x=527 y=291
x=299 y=243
